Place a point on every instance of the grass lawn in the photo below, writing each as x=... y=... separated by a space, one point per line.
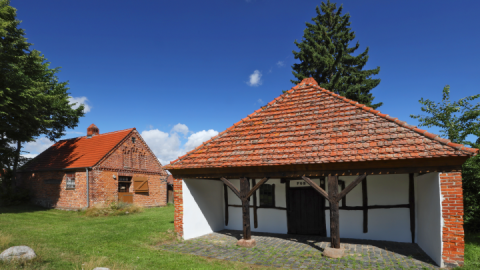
x=70 y=240
x=472 y=251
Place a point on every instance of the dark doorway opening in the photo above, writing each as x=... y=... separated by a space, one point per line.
x=306 y=212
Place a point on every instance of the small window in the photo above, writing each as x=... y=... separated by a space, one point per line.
x=267 y=195
x=70 y=180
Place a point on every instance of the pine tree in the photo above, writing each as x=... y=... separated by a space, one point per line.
x=32 y=100
x=325 y=55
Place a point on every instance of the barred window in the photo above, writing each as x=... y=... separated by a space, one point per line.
x=70 y=180
x=267 y=195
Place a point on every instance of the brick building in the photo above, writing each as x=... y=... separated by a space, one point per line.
x=119 y=166
x=311 y=158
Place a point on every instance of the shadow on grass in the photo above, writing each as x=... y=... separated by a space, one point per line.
x=21 y=208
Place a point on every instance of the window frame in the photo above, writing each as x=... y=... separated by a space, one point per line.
x=262 y=191
x=69 y=177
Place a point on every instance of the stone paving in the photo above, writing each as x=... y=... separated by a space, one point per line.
x=305 y=252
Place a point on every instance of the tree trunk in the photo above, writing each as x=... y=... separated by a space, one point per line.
x=15 y=163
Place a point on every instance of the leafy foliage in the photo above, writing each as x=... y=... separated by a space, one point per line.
x=457 y=120
x=32 y=100
x=325 y=55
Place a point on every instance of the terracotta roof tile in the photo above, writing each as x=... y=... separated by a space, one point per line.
x=78 y=152
x=309 y=124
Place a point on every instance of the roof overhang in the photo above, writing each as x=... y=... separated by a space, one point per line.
x=422 y=165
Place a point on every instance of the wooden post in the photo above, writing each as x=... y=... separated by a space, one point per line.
x=255 y=219
x=287 y=200
x=225 y=192
x=334 y=211
x=411 y=201
x=244 y=189
x=365 y=205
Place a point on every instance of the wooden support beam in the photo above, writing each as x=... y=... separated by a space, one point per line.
x=287 y=201
x=350 y=187
x=323 y=229
x=231 y=186
x=411 y=200
x=244 y=188
x=257 y=186
x=255 y=207
x=317 y=188
x=344 y=199
x=334 y=211
x=225 y=192
x=365 y=205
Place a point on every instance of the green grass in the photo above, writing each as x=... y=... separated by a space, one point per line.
x=70 y=240
x=472 y=251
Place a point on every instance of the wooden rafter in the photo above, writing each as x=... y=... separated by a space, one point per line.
x=350 y=187
x=316 y=187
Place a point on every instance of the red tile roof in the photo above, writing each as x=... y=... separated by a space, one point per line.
x=309 y=125
x=78 y=152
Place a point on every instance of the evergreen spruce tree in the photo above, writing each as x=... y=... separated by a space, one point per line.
x=325 y=55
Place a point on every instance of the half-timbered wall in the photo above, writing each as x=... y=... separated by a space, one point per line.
x=391 y=224
x=269 y=220
x=202 y=207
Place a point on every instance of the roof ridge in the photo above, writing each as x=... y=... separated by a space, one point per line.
x=404 y=124
x=107 y=133
x=270 y=104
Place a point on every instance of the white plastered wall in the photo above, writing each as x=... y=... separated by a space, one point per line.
x=429 y=216
x=202 y=207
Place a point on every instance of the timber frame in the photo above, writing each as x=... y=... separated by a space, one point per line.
x=331 y=172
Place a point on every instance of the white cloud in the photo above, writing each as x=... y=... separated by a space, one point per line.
x=164 y=145
x=260 y=101
x=79 y=101
x=198 y=138
x=255 y=78
x=180 y=128
x=280 y=63
x=37 y=146
x=30 y=155
x=168 y=146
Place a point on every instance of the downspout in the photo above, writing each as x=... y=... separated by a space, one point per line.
x=88 y=189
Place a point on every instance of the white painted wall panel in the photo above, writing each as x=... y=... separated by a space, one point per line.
x=202 y=207
x=429 y=216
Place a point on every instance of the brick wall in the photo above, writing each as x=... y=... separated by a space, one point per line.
x=178 y=201
x=452 y=213
x=103 y=180
x=48 y=189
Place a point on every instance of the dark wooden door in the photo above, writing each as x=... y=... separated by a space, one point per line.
x=306 y=212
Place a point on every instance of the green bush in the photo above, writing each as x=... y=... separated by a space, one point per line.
x=10 y=195
x=113 y=208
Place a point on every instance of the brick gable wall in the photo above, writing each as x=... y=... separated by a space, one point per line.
x=452 y=213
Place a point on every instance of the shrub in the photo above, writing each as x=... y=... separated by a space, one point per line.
x=113 y=208
x=9 y=194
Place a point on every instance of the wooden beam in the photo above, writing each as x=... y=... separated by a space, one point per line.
x=344 y=199
x=350 y=187
x=316 y=187
x=225 y=192
x=231 y=186
x=255 y=207
x=411 y=200
x=334 y=211
x=244 y=188
x=365 y=205
x=323 y=229
x=287 y=201
x=257 y=186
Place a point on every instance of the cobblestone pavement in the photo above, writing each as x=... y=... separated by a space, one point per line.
x=305 y=252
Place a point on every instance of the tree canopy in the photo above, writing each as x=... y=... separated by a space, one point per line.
x=325 y=55
x=32 y=100
x=459 y=121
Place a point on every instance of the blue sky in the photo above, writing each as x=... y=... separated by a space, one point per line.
x=179 y=71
